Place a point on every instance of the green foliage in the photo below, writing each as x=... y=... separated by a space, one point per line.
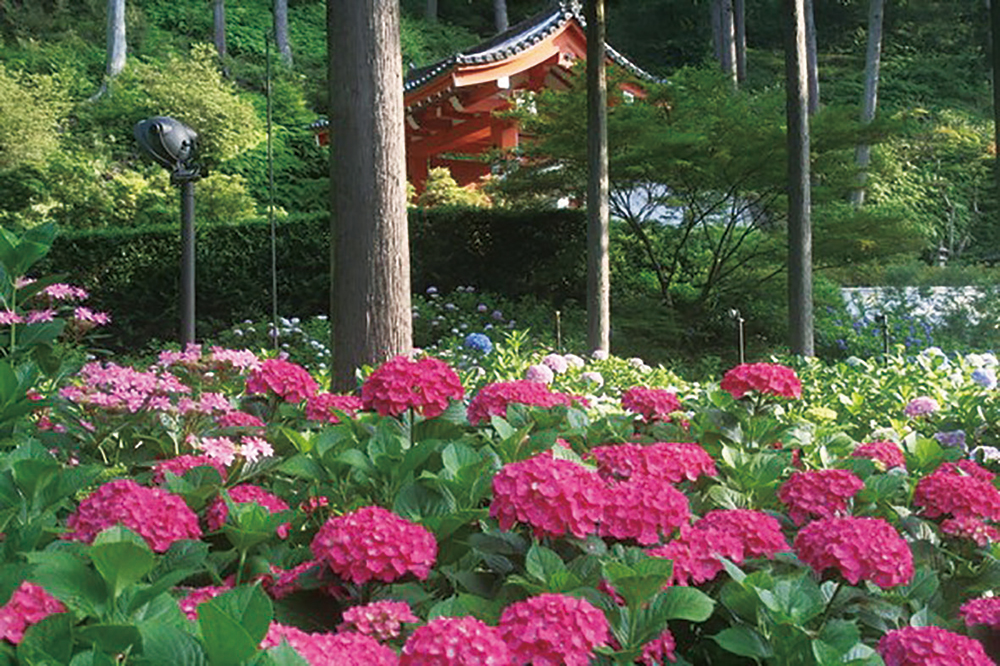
x=440 y=189
x=31 y=108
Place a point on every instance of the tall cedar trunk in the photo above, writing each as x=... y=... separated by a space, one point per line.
x=800 y=310
x=116 y=45
x=219 y=26
x=995 y=43
x=869 y=99
x=812 y=58
x=727 y=44
x=740 y=26
x=500 y=18
x=431 y=13
x=281 y=31
x=716 y=9
x=369 y=244
x=598 y=262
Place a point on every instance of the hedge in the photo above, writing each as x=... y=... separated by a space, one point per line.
x=134 y=273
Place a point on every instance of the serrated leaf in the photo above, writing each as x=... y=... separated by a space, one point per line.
x=50 y=641
x=122 y=557
x=743 y=641
x=167 y=644
x=233 y=624
x=112 y=638
x=541 y=563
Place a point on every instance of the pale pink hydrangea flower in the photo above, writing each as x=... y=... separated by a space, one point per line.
x=574 y=361
x=255 y=448
x=556 y=363
x=921 y=406
x=455 y=641
x=223 y=449
x=240 y=359
x=84 y=315
x=217 y=512
x=539 y=373
x=65 y=292
x=382 y=620
x=30 y=604
x=8 y=317
x=40 y=316
x=159 y=517
x=372 y=543
x=553 y=630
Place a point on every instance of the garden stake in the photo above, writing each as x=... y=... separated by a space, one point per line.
x=884 y=320
x=558 y=331
x=740 y=342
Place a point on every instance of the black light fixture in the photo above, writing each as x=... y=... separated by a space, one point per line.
x=174 y=146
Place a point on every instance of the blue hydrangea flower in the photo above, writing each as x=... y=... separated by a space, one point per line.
x=479 y=342
x=985 y=377
x=951 y=439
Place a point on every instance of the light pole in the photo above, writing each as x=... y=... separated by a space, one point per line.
x=174 y=146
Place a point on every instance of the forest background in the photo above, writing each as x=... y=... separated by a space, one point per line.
x=67 y=154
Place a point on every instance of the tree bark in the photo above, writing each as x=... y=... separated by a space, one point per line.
x=739 y=23
x=116 y=46
x=598 y=262
x=369 y=243
x=500 y=18
x=716 y=8
x=812 y=58
x=800 y=306
x=219 y=27
x=995 y=57
x=431 y=12
x=727 y=43
x=869 y=99
x=281 y=32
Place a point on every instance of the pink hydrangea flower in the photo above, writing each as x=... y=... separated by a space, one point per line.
x=759 y=533
x=321 y=406
x=651 y=403
x=859 y=548
x=763 y=378
x=30 y=604
x=65 y=292
x=241 y=359
x=287 y=380
x=966 y=467
x=255 y=448
x=885 y=454
x=556 y=362
x=182 y=464
x=984 y=610
x=670 y=461
x=974 y=529
x=323 y=649
x=195 y=597
x=238 y=419
x=426 y=386
x=553 y=630
x=492 y=399
x=39 y=316
x=930 y=646
x=643 y=509
x=659 y=651
x=554 y=496
x=114 y=388
x=950 y=491
x=382 y=620
x=455 y=641
x=279 y=583
x=696 y=552
x=222 y=449
x=372 y=543
x=921 y=406
x=161 y=518
x=217 y=512
x=8 y=317
x=539 y=373
x=823 y=493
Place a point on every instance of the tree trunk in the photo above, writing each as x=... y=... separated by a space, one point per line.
x=116 y=45
x=281 y=32
x=500 y=18
x=812 y=58
x=219 y=26
x=739 y=23
x=869 y=99
x=716 y=8
x=800 y=315
x=727 y=43
x=598 y=262
x=369 y=243
x=995 y=53
x=431 y=13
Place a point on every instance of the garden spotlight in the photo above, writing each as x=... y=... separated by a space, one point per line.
x=174 y=146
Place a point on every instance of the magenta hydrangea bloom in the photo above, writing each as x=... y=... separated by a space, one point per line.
x=30 y=604
x=492 y=399
x=659 y=651
x=217 y=512
x=696 y=552
x=763 y=378
x=759 y=533
x=455 y=641
x=930 y=646
x=382 y=620
x=984 y=610
x=238 y=419
x=279 y=583
x=322 y=649
x=553 y=630
x=651 y=403
x=950 y=490
x=320 y=407
x=668 y=461
x=974 y=529
x=643 y=509
x=289 y=381
x=885 y=454
x=372 y=543
x=195 y=597
x=966 y=467
x=159 y=517
x=554 y=496
x=182 y=464
x=426 y=386
x=823 y=493
x=859 y=548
